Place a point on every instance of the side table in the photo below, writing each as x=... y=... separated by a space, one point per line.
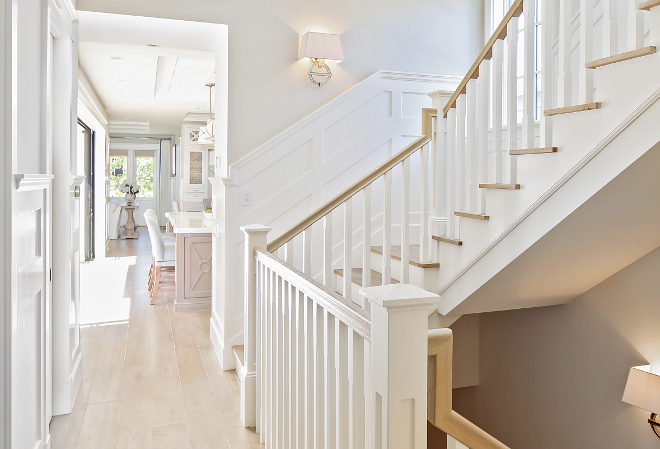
x=130 y=226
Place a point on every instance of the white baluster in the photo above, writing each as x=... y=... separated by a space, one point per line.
x=356 y=393
x=433 y=155
x=368 y=404
x=387 y=228
x=439 y=176
x=498 y=82
x=307 y=251
x=635 y=29
x=512 y=100
x=451 y=172
x=270 y=354
x=309 y=372
x=545 y=58
x=285 y=365
x=341 y=364
x=483 y=127
x=300 y=371
x=294 y=362
x=327 y=251
x=564 y=71
x=288 y=252
x=348 y=248
x=424 y=238
x=460 y=153
x=405 y=220
x=319 y=384
x=610 y=29
x=471 y=147
x=586 y=80
x=330 y=399
x=259 y=342
x=366 y=239
x=529 y=84
x=280 y=369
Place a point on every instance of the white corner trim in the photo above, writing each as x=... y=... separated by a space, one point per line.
x=564 y=179
x=38 y=181
x=77 y=180
x=84 y=93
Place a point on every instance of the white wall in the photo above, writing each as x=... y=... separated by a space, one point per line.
x=553 y=377
x=269 y=89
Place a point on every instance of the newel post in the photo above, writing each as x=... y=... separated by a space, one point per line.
x=399 y=340
x=256 y=237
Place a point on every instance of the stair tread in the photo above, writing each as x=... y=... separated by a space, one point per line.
x=500 y=186
x=445 y=239
x=533 y=151
x=470 y=215
x=569 y=109
x=356 y=276
x=621 y=57
x=239 y=350
x=413 y=255
x=648 y=4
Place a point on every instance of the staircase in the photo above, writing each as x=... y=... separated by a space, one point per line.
x=485 y=217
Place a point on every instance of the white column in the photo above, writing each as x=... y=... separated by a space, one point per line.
x=398 y=368
x=256 y=237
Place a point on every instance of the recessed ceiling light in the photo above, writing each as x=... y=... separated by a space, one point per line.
x=116 y=58
x=154 y=45
x=126 y=96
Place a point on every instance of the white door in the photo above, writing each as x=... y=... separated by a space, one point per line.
x=29 y=314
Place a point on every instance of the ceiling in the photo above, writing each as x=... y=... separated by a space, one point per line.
x=148 y=70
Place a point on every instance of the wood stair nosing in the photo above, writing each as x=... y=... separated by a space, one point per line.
x=569 y=109
x=621 y=57
x=445 y=239
x=648 y=4
x=413 y=255
x=533 y=151
x=356 y=276
x=500 y=186
x=469 y=215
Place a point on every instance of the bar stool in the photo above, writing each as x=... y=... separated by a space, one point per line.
x=168 y=238
x=163 y=259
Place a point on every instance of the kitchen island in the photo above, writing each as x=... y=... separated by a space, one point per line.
x=193 y=251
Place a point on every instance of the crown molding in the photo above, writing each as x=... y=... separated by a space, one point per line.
x=33 y=181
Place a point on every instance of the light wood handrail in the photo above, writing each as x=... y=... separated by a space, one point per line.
x=441 y=345
x=487 y=53
x=427 y=130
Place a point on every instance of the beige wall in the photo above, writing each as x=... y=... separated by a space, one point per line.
x=553 y=377
x=269 y=89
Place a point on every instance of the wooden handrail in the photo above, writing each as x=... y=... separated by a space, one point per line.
x=427 y=130
x=345 y=311
x=487 y=53
x=441 y=345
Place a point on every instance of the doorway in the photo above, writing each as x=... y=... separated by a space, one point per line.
x=86 y=150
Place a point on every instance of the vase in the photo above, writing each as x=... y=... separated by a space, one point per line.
x=129 y=197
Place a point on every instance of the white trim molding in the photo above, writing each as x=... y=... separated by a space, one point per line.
x=37 y=181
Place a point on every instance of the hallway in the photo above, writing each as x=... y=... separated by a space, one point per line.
x=152 y=380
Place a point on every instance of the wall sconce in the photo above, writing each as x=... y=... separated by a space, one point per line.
x=319 y=47
x=643 y=391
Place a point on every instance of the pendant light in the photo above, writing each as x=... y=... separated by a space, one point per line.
x=207 y=133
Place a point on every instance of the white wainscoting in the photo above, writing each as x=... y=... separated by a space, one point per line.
x=301 y=168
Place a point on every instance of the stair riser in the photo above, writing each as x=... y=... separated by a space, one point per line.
x=426 y=278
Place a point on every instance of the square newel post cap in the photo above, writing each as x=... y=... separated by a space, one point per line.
x=399 y=296
x=255 y=229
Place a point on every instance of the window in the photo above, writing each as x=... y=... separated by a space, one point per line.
x=132 y=166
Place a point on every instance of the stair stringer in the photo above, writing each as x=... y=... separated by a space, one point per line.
x=619 y=134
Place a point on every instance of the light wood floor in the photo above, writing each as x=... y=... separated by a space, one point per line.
x=153 y=382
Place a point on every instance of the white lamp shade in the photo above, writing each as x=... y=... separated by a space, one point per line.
x=643 y=389
x=321 y=46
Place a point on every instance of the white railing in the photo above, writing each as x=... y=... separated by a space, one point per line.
x=326 y=373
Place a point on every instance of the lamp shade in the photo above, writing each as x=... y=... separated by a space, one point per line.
x=643 y=389
x=320 y=46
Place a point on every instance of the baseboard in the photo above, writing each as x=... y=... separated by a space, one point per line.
x=224 y=353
